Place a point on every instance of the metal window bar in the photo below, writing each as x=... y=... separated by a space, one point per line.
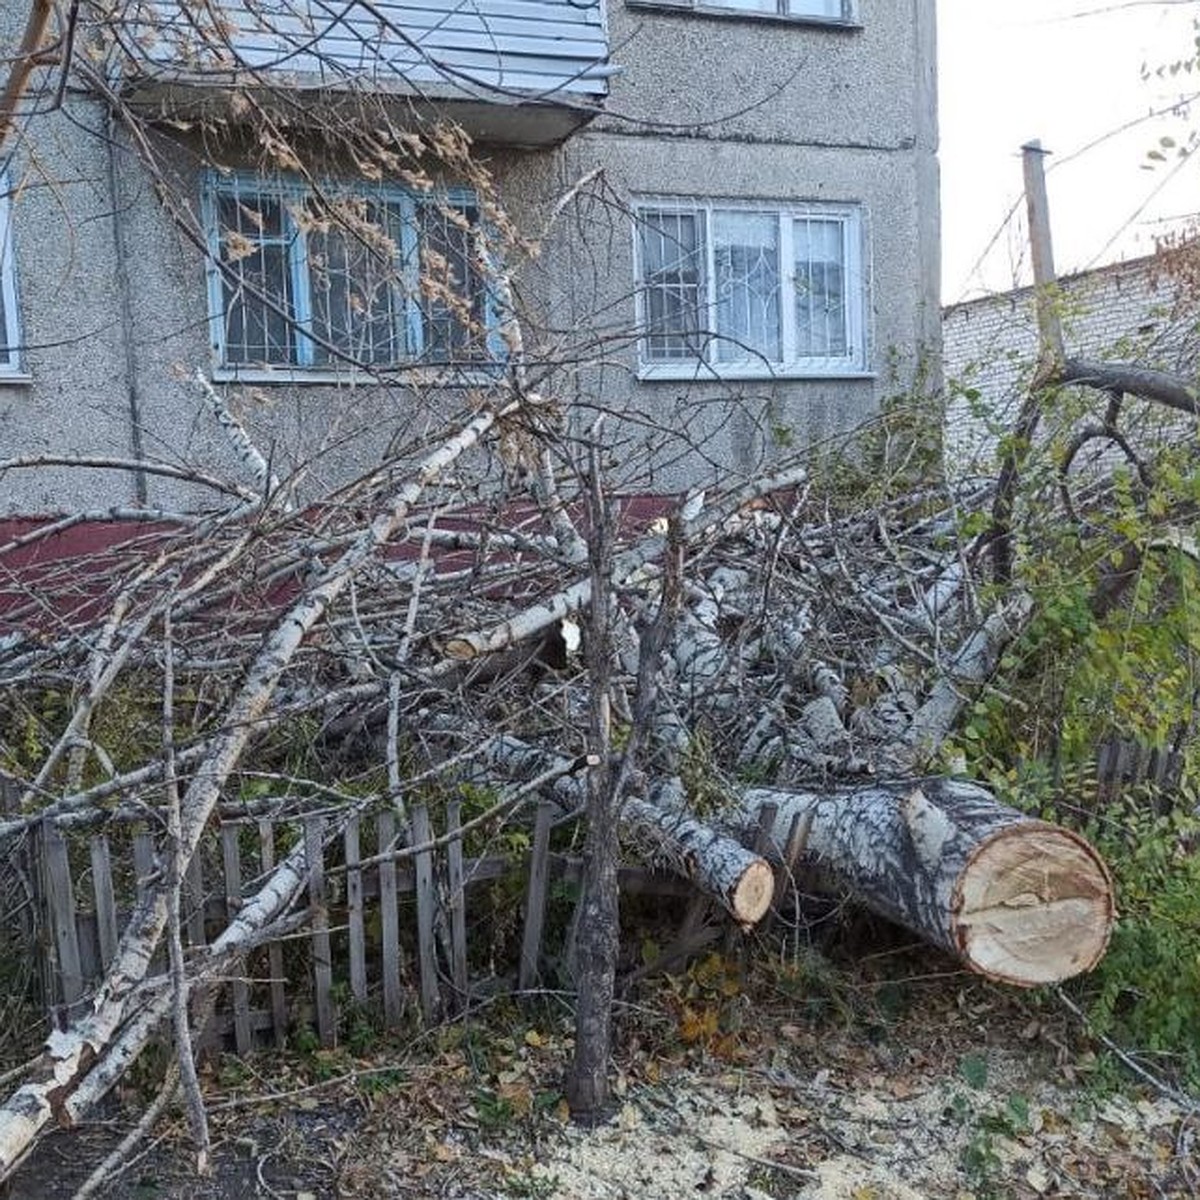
x=746 y=264
x=355 y=285
x=454 y=306
x=673 y=285
x=302 y=284
x=820 y=268
x=256 y=244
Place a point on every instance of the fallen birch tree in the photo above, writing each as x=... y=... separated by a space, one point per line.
x=823 y=643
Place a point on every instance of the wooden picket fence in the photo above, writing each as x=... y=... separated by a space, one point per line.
x=1122 y=763
x=380 y=932
x=387 y=934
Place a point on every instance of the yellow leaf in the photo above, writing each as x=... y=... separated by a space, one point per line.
x=519 y=1095
x=697 y=1026
x=533 y=1038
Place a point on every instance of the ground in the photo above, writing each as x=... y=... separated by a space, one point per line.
x=777 y=1080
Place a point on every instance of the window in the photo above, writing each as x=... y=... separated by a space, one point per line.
x=374 y=277
x=742 y=290
x=814 y=10
x=10 y=337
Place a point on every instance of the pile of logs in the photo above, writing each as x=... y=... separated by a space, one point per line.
x=824 y=655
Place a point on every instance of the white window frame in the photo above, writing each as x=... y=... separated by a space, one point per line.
x=12 y=367
x=854 y=363
x=305 y=369
x=800 y=11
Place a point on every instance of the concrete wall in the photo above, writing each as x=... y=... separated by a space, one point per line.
x=1130 y=312
x=711 y=107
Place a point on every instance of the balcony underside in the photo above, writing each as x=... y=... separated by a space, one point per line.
x=503 y=117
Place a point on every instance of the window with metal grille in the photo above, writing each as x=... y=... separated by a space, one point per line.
x=742 y=289
x=351 y=277
x=10 y=335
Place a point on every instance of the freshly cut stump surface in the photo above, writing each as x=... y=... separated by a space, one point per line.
x=1035 y=905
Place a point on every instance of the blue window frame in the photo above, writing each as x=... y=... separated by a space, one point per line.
x=10 y=332
x=359 y=275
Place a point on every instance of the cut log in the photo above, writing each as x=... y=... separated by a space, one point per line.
x=742 y=881
x=1018 y=900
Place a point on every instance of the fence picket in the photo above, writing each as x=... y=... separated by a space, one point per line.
x=426 y=915
x=389 y=913
x=143 y=859
x=535 y=897
x=354 y=904
x=106 y=905
x=193 y=894
x=458 y=904
x=231 y=859
x=60 y=897
x=279 y=1021
x=314 y=848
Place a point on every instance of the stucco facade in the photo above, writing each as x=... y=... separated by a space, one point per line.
x=709 y=105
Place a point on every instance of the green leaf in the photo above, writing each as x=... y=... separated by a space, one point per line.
x=974 y=1070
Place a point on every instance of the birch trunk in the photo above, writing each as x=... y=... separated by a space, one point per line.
x=1018 y=900
x=742 y=881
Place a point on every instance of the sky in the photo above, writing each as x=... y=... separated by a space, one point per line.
x=1069 y=73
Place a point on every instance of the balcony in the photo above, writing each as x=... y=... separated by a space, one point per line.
x=518 y=72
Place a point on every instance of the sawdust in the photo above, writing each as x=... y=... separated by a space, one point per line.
x=706 y=1143
x=778 y=1135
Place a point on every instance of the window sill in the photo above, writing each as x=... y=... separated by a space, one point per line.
x=386 y=377
x=719 y=13
x=15 y=379
x=733 y=372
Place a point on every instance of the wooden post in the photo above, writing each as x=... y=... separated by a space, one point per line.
x=60 y=895
x=231 y=859
x=354 y=905
x=144 y=864
x=1051 y=354
x=279 y=1018
x=458 y=904
x=193 y=891
x=535 y=897
x=389 y=922
x=763 y=836
x=314 y=848
x=797 y=843
x=426 y=915
x=106 y=907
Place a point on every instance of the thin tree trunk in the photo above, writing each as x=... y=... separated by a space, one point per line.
x=587 y=1086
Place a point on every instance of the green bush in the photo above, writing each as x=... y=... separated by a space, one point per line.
x=1146 y=991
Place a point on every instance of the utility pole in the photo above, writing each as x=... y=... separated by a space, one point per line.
x=1051 y=355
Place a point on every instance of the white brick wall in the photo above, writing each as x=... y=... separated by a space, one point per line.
x=1129 y=312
